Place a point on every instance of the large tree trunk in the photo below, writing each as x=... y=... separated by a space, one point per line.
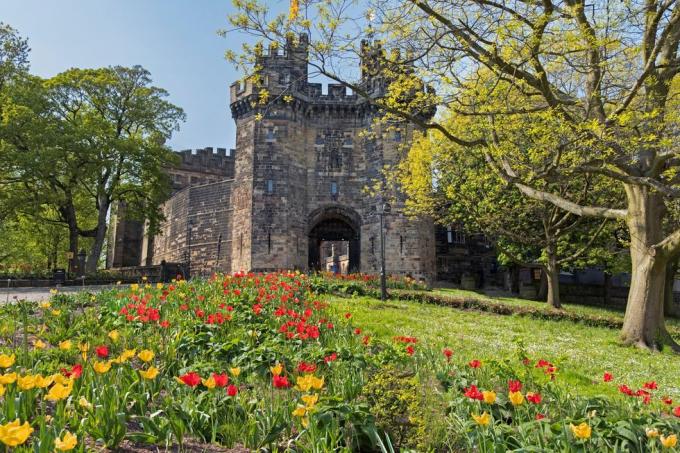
x=671 y=269
x=99 y=237
x=552 y=273
x=68 y=213
x=643 y=323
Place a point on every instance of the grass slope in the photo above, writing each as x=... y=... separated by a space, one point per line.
x=582 y=353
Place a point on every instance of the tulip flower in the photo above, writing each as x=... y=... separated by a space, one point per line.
x=149 y=374
x=102 y=351
x=59 y=392
x=192 y=379
x=276 y=369
x=14 y=433
x=670 y=441
x=489 y=396
x=102 y=367
x=235 y=371
x=146 y=355
x=7 y=361
x=9 y=378
x=65 y=345
x=232 y=390
x=26 y=382
x=67 y=442
x=114 y=335
x=516 y=398
x=582 y=431
x=652 y=432
x=482 y=420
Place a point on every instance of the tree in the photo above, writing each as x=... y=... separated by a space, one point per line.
x=466 y=193
x=13 y=55
x=84 y=140
x=596 y=78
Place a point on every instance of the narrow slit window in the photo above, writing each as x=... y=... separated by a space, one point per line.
x=334 y=188
x=449 y=235
x=270 y=186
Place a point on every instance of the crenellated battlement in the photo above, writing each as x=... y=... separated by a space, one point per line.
x=214 y=161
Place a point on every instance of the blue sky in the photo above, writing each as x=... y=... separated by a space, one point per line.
x=175 y=40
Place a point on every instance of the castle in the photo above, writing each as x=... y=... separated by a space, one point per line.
x=292 y=194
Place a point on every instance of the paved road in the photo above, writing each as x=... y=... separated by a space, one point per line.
x=35 y=294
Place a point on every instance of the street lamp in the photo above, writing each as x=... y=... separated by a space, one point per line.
x=81 y=262
x=382 y=209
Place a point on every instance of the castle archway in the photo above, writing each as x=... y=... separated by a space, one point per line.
x=334 y=239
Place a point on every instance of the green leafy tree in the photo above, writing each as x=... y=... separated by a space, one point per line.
x=588 y=86
x=454 y=186
x=84 y=140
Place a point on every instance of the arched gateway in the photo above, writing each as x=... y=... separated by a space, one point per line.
x=334 y=224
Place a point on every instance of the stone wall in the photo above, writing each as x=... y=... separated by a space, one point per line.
x=198 y=221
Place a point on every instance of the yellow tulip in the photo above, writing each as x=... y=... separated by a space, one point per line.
x=300 y=411
x=582 y=431
x=84 y=347
x=159 y=285
x=317 y=383
x=114 y=335
x=652 y=432
x=310 y=400
x=516 y=398
x=483 y=419
x=2 y=389
x=9 y=378
x=43 y=382
x=67 y=442
x=670 y=441
x=151 y=373
x=60 y=379
x=7 y=361
x=134 y=287
x=276 y=369
x=84 y=403
x=54 y=291
x=235 y=371
x=26 y=382
x=209 y=383
x=14 y=433
x=39 y=344
x=59 y=392
x=56 y=312
x=45 y=304
x=304 y=383
x=146 y=355
x=65 y=345
x=489 y=396
x=102 y=367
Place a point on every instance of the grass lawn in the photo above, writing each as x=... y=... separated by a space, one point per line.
x=673 y=324
x=581 y=353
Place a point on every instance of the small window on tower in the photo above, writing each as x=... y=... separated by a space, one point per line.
x=334 y=188
x=397 y=135
x=449 y=235
x=270 y=186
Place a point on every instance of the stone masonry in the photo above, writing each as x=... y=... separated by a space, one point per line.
x=295 y=182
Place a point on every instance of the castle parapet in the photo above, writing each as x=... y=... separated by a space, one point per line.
x=214 y=161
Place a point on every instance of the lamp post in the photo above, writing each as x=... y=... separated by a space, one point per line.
x=383 y=208
x=81 y=262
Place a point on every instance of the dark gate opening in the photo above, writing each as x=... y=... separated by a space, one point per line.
x=334 y=245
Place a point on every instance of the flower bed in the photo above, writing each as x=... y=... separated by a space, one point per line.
x=259 y=361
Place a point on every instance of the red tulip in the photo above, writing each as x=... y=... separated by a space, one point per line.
x=192 y=379
x=475 y=364
x=534 y=397
x=650 y=385
x=514 y=386
x=221 y=380
x=607 y=377
x=280 y=382
x=447 y=353
x=676 y=411
x=473 y=392
x=102 y=351
x=232 y=390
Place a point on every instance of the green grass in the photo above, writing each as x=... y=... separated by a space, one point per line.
x=611 y=312
x=582 y=353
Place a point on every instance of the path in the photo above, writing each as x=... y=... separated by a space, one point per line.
x=36 y=294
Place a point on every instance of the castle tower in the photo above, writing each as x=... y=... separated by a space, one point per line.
x=302 y=165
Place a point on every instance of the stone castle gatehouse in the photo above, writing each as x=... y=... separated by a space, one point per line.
x=291 y=195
